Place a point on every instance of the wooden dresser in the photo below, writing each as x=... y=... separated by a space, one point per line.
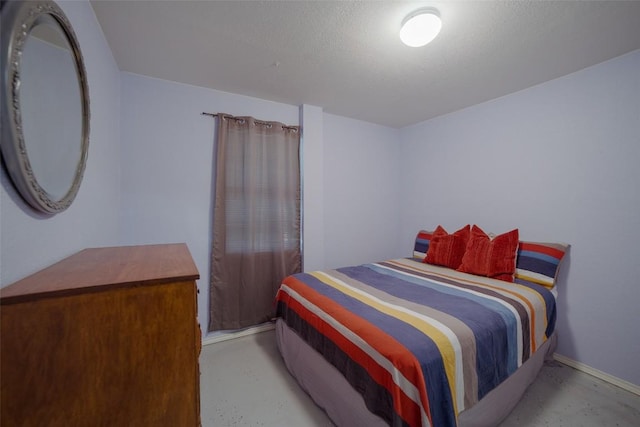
x=106 y=337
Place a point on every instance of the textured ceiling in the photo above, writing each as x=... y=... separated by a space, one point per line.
x=346 y=56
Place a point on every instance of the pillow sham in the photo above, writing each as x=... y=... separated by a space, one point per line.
x=421 y=245
x=447 y=249
x=491 y=257
x=539 y=262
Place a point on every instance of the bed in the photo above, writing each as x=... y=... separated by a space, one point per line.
x=407 y=343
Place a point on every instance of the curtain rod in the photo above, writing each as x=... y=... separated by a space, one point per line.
x=260 y=122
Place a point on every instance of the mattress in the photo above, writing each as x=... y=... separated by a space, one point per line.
x=419 y=344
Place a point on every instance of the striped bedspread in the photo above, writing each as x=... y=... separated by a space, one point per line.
x=421 y=343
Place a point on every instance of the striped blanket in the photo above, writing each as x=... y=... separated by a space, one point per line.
x=421 y=343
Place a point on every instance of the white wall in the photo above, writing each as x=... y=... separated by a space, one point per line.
x=312 y=168
x=30 y=241
x=167 y=163
x=167 y=174
x=361 y=198
x=559 y=161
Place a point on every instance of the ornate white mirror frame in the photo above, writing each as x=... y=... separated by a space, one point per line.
x=44 y=105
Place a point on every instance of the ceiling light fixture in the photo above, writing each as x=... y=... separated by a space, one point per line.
x=421 y=27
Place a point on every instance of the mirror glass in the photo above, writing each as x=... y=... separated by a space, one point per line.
x=51 y=108
x=45 y=104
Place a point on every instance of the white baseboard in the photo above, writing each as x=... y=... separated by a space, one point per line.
x=237 y=334
x=626 y=385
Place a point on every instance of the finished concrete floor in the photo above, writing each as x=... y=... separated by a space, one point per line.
x=244 y=382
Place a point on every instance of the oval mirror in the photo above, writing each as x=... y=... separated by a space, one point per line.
x=45 y=104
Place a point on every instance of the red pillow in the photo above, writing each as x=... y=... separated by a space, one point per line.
x=447 y=249
x=494 y=258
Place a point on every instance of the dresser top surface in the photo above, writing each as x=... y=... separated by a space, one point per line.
x=98 y=269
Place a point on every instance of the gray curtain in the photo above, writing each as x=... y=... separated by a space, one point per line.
x=256 y=219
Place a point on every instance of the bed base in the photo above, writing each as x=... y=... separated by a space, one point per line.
x=345 y=406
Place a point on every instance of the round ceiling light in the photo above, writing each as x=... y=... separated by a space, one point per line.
x=420 y=27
